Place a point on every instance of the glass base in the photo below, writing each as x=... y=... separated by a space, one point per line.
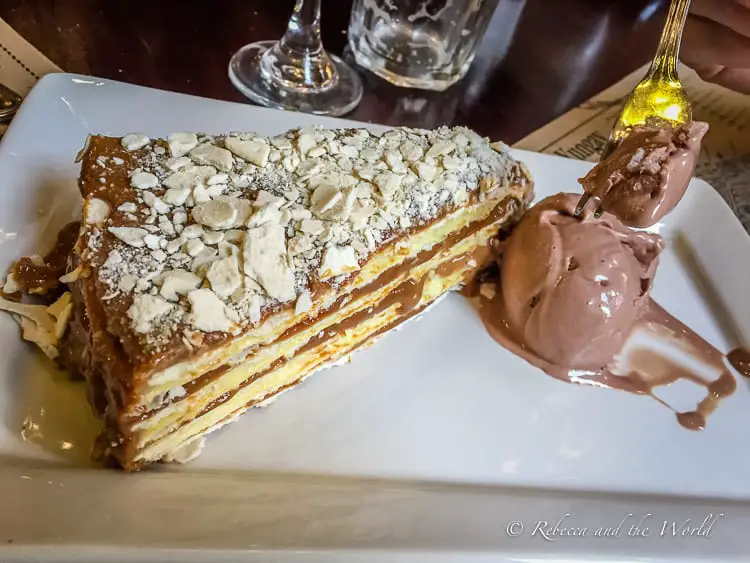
x=339 y=98
x=409 y=67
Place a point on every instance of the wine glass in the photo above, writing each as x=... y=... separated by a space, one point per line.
x=296 y=73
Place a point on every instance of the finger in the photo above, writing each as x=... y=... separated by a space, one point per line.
x=707 y=43
x=737 y=79
x=733 y=14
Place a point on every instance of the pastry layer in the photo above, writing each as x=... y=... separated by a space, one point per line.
x=476 y=222
x=411 y=297
x=460 y=259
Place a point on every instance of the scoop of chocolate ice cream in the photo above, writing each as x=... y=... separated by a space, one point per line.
x=572 y=286
x=647 y=174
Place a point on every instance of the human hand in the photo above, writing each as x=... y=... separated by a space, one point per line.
x=716 y=42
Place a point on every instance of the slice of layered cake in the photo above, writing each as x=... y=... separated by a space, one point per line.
x=212 y=273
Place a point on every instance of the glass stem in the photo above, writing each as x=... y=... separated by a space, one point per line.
x=667 y=54
x=298 y=60
x=303 y=30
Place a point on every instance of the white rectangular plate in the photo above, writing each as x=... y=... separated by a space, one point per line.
x=427 y=445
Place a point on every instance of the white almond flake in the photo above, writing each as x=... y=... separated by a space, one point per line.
x=305 y=142
x=174 y=245
x=38 y=325
x=194 y=246
x=146 y=310
x=394 y=162
x=220 y=178
x=159 y=255
x=208 y=312
x=166 y=227
x=128 y=207
x=118 y=161
x=61 y=311
x=213 y=156
x=175 y=164
x=155 y=203
x=203 y=260
x=224 y=276
x=265 y=260
x=132 y=236
x=281 y=143
x=190 y=177
x=499 y=146
x=142 y=285
x=200 y=195
x=113 y=259
x=135 y=141
x=440 y=148
x=213 y=237
x=152 y=241
x=72 y=276
x=181 y=143
x=451 y=162
x=178 y=282
x=349 y=151
x=426 y=171
x=267 y=198
x=215 y=190
x=97 y=211
x=179 y=217
x=460 y=140
x=411 y=151
x=291 y=194
x=176 y=196
x=304 y=303
x=127 y=283
x=255 y=151
x=338 y=260
x=144 y=181
x=316 y=152
x=311 y=226
x=216 y=214
x=299 y=213
x=365 y=172
x=11 y=284
x=191 y=232
x=267 y=214
x=388 y=183
x=487 y=290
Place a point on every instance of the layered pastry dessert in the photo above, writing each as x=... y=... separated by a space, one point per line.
x=209 y=274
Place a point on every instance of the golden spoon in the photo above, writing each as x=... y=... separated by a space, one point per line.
x=659 y=97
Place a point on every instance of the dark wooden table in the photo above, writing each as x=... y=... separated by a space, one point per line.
x=562 y=52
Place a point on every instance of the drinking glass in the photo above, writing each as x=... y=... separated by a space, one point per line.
x=296 y=73
x=426 y=44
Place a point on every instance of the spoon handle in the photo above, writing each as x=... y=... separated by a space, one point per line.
x=9 y=103
x=664 y=65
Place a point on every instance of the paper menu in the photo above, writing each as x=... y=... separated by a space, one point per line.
x=725 y=159
x=21 y=64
